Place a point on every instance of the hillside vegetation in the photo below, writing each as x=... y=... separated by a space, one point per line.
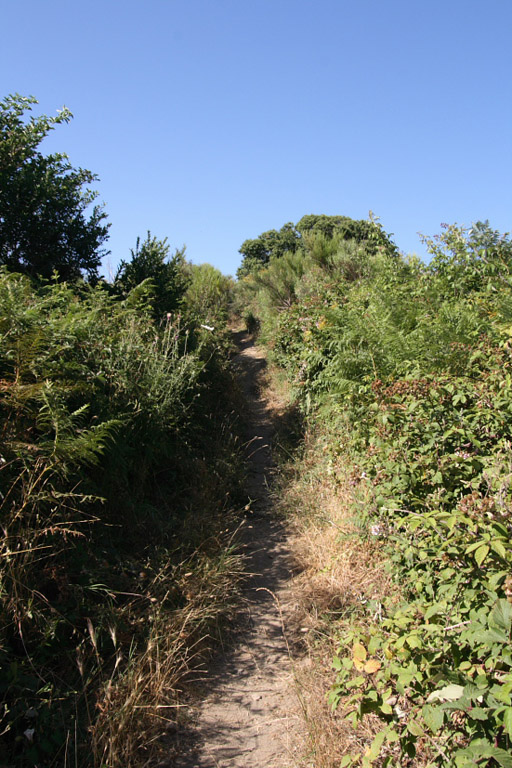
x=403 y=371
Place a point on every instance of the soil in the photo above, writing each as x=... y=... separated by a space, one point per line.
x=247 y=715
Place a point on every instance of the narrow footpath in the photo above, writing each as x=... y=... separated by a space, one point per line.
x=248 y=716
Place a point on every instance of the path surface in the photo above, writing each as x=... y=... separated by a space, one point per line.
x=248 y=714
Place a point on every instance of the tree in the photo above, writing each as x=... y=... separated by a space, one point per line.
x=368 y=232
x=257 y=253
x=151 y=261
x=46 y=224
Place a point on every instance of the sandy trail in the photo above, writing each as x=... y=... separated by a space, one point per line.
x=248 y=716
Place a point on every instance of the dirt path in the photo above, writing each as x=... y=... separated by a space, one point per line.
x=248 y=714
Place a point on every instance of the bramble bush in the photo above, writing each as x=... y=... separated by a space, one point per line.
x=414 y=361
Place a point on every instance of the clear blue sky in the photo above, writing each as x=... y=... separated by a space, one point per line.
x=210 y=121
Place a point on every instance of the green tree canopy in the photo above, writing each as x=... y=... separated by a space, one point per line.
x=46 y=223
x=150 y=261
x=367 y=231
x=258 y=252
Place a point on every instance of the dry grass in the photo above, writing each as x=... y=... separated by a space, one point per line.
x=340 y=569
x=137 y=705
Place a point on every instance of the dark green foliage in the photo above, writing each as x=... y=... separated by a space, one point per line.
x=344 y=228
x=46 y=224
x=166 y=276
x=258 y=252
x=306 y=236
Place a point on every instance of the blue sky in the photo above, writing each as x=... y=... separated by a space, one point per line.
x=211 y=121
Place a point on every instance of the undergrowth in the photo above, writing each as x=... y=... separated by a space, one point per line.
x=119 y=470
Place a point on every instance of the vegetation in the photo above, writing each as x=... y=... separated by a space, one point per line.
x=119 y=471
x=409 y=364
x=120 y=467
x=273 y=245
x=45 y=224
x=163 y=277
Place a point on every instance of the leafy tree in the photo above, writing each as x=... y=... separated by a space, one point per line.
x=257 y=252
x=474 y=259
x=364 y=231
x=45 y=224
x=150 y=261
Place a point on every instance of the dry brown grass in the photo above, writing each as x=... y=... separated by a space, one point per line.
x=339 y=570
x=137 y=705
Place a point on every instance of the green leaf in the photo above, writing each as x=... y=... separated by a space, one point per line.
x=415 y=728
x=433 y=716
x=481 y=553
x=376 y=745
x=434 y=610
x=478 y=713
x=501 y=615
x=497 y=546
x=481 y=748
x=448 y=693
x=507 y=721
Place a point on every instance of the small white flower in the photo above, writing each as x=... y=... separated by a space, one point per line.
x=29 y=734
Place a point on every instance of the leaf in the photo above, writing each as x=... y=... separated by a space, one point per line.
x=481 y=553
x=480 y=748
x=434 y=610
x=448 y=693
x=375 y=746
x=497 y=546
x=372 y=666
x=501 y=615
x=433 y=716
x=507 y=721
x=478 y=713
x=359 y=652
x=415 y=728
